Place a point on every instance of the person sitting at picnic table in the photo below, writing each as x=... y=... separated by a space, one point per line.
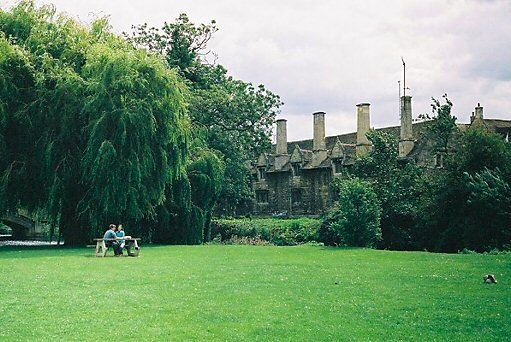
x=110 y=234
x=120 y=235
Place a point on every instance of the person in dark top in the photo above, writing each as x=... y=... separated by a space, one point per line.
x=110 y=234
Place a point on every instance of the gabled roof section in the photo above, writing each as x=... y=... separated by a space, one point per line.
x=307 y=155
x=262 y=160
x=319 y=160
x=285 y=167
x=281 y=163
x=338 y=150
x=297 y=155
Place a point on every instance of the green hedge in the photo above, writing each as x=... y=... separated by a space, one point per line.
x=280 y=232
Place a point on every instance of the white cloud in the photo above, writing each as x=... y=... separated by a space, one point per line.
x=330 y=55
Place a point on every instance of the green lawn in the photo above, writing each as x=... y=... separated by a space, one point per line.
x=252 y=293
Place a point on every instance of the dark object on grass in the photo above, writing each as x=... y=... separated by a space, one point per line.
x=489 y=279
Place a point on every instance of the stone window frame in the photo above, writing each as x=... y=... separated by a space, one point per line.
x=261 y=172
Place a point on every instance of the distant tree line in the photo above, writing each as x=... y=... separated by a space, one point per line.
x=465 y=204
x=141 y=129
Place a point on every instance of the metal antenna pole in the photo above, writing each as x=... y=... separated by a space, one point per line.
x=404 y=76
x=399 y=98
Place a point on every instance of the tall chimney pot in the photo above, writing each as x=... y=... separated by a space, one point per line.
x=281 y=137
x=363 y=126
x=479 y=112
x=319 y=132
x=406 y=142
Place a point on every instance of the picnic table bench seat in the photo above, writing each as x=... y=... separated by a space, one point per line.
x=131 y=245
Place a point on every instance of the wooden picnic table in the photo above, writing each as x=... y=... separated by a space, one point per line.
x=131 y=245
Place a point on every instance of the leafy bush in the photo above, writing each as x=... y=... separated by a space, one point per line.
x=467 y=251
x=355 y=218
x=261 y=231
x=496 y=251
x=246 y=240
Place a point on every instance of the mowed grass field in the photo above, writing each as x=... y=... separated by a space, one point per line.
x=245 y=293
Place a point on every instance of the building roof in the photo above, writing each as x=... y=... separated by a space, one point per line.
x=343 y=147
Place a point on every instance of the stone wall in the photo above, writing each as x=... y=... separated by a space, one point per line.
x=307 y=194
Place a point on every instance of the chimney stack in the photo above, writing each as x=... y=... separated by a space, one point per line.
x=406 y=142
x=281 y=137
x=319 y=143
x=363 y=126
x=479 y=112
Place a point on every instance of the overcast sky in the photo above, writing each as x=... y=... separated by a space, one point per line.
x=330 y=55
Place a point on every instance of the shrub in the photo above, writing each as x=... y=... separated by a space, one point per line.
x=467 y=251
x=355 y=218
x=289 y=232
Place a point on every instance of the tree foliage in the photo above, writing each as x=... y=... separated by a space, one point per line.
x=465 y=206
x=206 y=174
x=355 y=217
x=92 y=130
x=395 y=183
x=489 y=193
x=442 y=129
x=182 y=43
x=231 y=116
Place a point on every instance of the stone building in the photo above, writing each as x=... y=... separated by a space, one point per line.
x=295 y=178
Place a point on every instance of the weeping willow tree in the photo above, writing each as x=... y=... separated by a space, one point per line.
x=17 y=81
x=137 y=135
x=92 y=131
x=206 y=175
x=190 y=223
